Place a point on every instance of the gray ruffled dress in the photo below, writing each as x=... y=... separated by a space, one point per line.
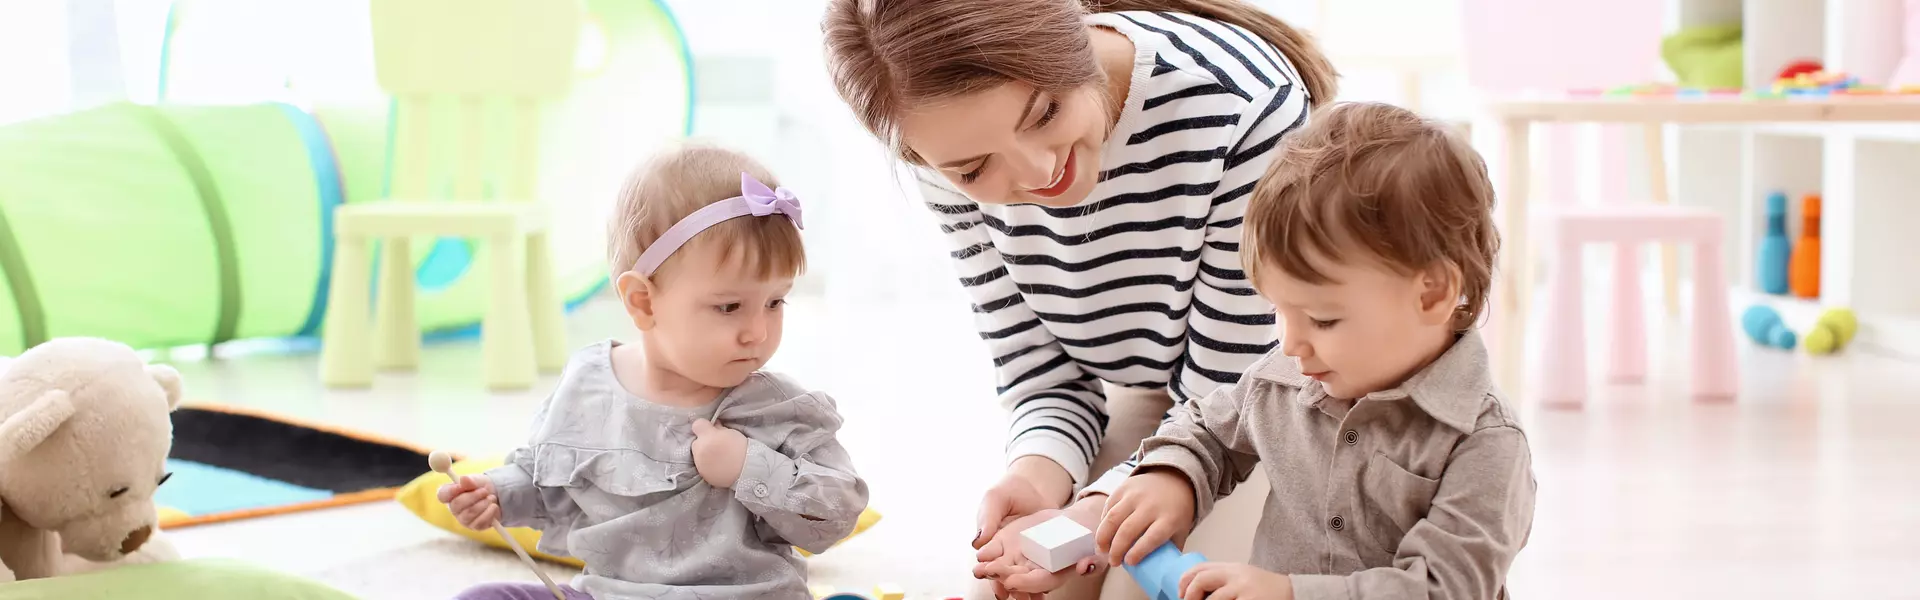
x=609 y=478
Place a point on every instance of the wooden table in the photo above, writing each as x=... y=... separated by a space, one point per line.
x=1513 y=118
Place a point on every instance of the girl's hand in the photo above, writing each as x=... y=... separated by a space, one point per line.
x=1003 y=561
x=1228 y=581
x=718 y=453
x=1149 y=509
x=473 y=501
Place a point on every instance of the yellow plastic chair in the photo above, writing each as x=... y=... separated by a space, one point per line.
x=474 y=59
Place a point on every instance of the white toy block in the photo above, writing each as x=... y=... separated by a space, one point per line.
x=1057 y=543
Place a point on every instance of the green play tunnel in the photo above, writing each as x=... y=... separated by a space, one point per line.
x=175 y=225
x=160 y=226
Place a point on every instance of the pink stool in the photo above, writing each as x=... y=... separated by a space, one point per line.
x=1570 y=228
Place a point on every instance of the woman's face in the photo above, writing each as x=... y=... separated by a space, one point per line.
x=1013 y=144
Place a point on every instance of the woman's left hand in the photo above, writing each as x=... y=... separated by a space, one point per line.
x=1001 y=559
x=1230 y=581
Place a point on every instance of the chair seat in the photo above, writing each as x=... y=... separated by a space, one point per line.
x=1632 y=223
x=416 y=217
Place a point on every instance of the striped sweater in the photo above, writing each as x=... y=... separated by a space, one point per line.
x=1140 y=285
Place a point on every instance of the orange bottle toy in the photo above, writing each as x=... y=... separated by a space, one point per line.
x=1803 y=271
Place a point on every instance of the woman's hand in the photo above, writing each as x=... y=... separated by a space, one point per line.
x=1032 y=484
x=1149 y=509
x=1002 y=560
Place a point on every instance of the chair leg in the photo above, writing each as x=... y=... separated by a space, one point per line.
x=1715 y=371
x=396 y=328
x=344 y=336
x=506 y=334
x=1565 y=362
x=543 y=301
x=1628 y=356
x=1656 y=155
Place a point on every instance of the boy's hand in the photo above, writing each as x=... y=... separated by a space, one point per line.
x=718 y=453
x=1229 y=581
x=473 y=501
x=1148 y=509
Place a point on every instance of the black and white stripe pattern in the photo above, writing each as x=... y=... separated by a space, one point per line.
x=1141 y=285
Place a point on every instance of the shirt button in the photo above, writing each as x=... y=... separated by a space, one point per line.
x=1337 y=523
x=1353 y=437
x=760 y=490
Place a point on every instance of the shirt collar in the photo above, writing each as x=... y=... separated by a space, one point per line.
x=1452 y=389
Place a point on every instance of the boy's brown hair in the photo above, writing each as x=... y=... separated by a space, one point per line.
x=684 y=179
x=1374 y=177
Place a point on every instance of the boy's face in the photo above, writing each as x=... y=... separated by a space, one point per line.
x=713 y=322
x=1367 y=330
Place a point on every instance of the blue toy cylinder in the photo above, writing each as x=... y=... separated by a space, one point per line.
x=1159 y=573
x=1763 y=324
x=1774 y=247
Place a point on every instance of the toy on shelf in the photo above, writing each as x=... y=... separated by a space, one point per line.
x=1833 y=330
x=1802 y=79
x=1803 y=272
x=1159 y=573
x=1774 y=247
x=1800 y=67
x=1763 y=324
x=1057 y=543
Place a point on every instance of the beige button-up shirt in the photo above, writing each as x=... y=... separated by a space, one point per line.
x=1421 y=491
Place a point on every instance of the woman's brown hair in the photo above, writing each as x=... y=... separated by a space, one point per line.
x=888 y=56
x=1371 y=178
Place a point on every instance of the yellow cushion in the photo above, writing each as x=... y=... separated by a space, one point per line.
x=419 y=498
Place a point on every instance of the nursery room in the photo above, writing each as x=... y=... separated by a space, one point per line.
x=1260 y=299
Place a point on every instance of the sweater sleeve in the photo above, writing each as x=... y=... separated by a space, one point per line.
x=1057 y=410
x=1230 y=325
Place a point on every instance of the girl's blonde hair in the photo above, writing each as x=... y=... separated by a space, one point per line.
x=679 y=181
x=889 y=56
x=1376 y=178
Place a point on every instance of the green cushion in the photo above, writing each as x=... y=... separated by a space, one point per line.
x=198 y=579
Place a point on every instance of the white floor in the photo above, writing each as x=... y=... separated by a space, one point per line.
x=1804 y=487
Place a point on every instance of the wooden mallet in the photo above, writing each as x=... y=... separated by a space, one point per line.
x=443 y=463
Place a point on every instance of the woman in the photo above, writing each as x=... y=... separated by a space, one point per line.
x=1090 y=165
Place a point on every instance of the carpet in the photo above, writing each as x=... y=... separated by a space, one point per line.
x=231 y=463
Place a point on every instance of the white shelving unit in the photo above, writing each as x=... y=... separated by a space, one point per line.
x=1868 y=176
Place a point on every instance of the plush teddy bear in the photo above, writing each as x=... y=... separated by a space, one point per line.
x=85 y=428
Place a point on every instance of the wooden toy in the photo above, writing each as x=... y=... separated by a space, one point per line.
x=1057 y=543
x=1159 y=573
x=443 y=463
x=1833 y=330
x=1803 y=272
x=1763 y=324
x=1774 y=247
x=888 y=591
x=820 y=591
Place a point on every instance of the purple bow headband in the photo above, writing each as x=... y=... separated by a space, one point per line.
x=755 y=200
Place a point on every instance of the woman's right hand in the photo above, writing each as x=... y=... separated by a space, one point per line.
x=1032 y=484
x=473 y=501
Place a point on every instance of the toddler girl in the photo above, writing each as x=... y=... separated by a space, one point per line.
x=1397 y=469
x=676 y=468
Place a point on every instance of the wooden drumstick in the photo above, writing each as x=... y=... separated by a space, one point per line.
x=443 y=463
